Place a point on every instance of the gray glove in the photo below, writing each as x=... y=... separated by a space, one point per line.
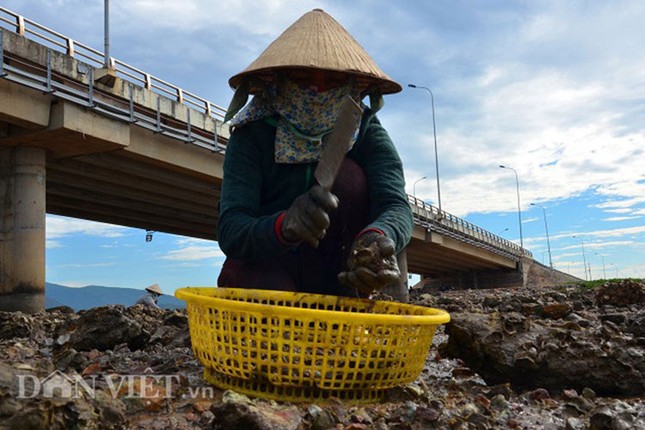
x=371 y=263
x=308 y=217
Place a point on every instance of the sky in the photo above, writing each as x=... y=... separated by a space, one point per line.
x=554 y=90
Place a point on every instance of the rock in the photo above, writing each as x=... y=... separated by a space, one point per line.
x=539 y=394
x=623 y=293
x=70 y=358
x=177 y=319
x=505 y=331
x=202 y=406
x=588 y=393
x=239 y=412
x=553 y=352
x=62 y=309
x=427 y=415
x=15 y=325
x=498 y=402
x=321 y=419
x=356 y=426
x=574 y=424
x=616 y=318
x=104 y=328
x=582 y=404
x=569 y=394
x=604 y=419
x=362 y=416
x=556 y=310
x=637 y=325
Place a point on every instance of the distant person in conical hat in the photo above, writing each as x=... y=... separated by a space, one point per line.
x=277 y=226
x=153 y=292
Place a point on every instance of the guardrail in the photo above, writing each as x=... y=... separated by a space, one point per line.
x=443 y=222
x=43 y=78
x=52 y=39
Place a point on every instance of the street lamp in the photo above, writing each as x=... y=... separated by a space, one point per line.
x=519 y=207
x=149 y=234
x=500 y=233
x=414 y=187
x=604 y=274
x=436 y=154
x=615 y=268
x=584 y=258
x=546 y=228
x=106 y=18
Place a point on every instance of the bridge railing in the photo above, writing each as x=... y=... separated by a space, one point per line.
x=50 y=38
x=444 y=222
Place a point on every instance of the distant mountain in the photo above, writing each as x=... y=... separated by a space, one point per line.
x=51 y=303
x=94 y=295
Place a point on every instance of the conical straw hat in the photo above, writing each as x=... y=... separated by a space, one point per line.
x=317 y=41
x=154 y=288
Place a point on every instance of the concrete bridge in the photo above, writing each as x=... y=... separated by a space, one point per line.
x=117 y=145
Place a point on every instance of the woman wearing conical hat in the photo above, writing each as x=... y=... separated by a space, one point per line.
x=280 y=229
x=153 y=292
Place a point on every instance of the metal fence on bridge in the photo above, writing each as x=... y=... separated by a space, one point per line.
x=442 y=222
x=52 y=39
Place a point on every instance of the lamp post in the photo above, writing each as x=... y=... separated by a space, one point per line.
x=414 y=187
x=434 y=130
x=546 y=228
x=584 y=258
x=106 y=18
x=615 y=268
x=604 y=274
x=519 y=206
x=500 y=233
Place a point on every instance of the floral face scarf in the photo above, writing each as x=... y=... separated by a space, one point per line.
x=306 y=118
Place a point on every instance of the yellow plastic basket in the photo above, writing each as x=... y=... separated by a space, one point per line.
x=305 y=347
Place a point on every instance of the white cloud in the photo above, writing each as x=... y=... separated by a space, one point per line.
x=600 y=245
x=619 y=211
x=631 y=271
x=563 y=256
x=73 y=284
x=59 y=227
x=617 y=232
x=632 y=191
x=610 y=244
x=620 y=218
x=544 y=104
x=191 y=250
x=52 y=244
x=86 y=266
x=192 y=15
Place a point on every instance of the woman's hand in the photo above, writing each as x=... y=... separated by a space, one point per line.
x=308 y=217
x=371 y=263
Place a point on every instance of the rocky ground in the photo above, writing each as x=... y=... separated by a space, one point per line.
x=565 y=357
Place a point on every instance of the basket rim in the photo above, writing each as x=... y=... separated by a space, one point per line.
x=193 y=295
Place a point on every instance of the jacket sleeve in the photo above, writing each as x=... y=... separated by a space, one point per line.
x=390 y=211
x=242 y=232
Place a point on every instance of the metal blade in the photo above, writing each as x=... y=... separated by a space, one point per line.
x=335 y=147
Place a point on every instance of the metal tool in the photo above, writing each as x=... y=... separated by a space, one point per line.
x=336 y=145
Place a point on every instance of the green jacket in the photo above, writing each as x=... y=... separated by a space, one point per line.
x=255 y=189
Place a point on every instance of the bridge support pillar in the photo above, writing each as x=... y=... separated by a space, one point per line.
x=22 y=229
